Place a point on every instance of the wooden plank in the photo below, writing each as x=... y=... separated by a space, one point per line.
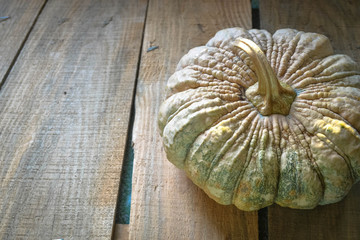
x=14 y=30
x=340 y=21
x=165 y=204
x=65 y=111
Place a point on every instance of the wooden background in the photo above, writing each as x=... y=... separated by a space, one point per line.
x=70 y=72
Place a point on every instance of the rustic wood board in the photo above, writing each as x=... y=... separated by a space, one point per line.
x=64 y=115
x=14 y=31
x=340 y=21
x=165 y=204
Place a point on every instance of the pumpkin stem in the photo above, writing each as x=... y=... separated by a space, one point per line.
x=268 y=95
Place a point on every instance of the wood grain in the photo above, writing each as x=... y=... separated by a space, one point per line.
x=13 y=31
x=64 y=114
x=165 y=204
x=340 y=21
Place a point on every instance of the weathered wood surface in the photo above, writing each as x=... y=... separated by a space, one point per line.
x=14 y=30
x=64 y=112
x=165 y=204
x=340 y=21
x=65 y=98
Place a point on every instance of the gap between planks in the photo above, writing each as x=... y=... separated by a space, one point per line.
x=5 y=72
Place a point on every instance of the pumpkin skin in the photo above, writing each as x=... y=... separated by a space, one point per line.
x=302 y=157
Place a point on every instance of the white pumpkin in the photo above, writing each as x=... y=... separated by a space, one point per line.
x=255 y=118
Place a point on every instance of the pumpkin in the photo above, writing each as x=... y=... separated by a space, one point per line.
x=255 y=119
